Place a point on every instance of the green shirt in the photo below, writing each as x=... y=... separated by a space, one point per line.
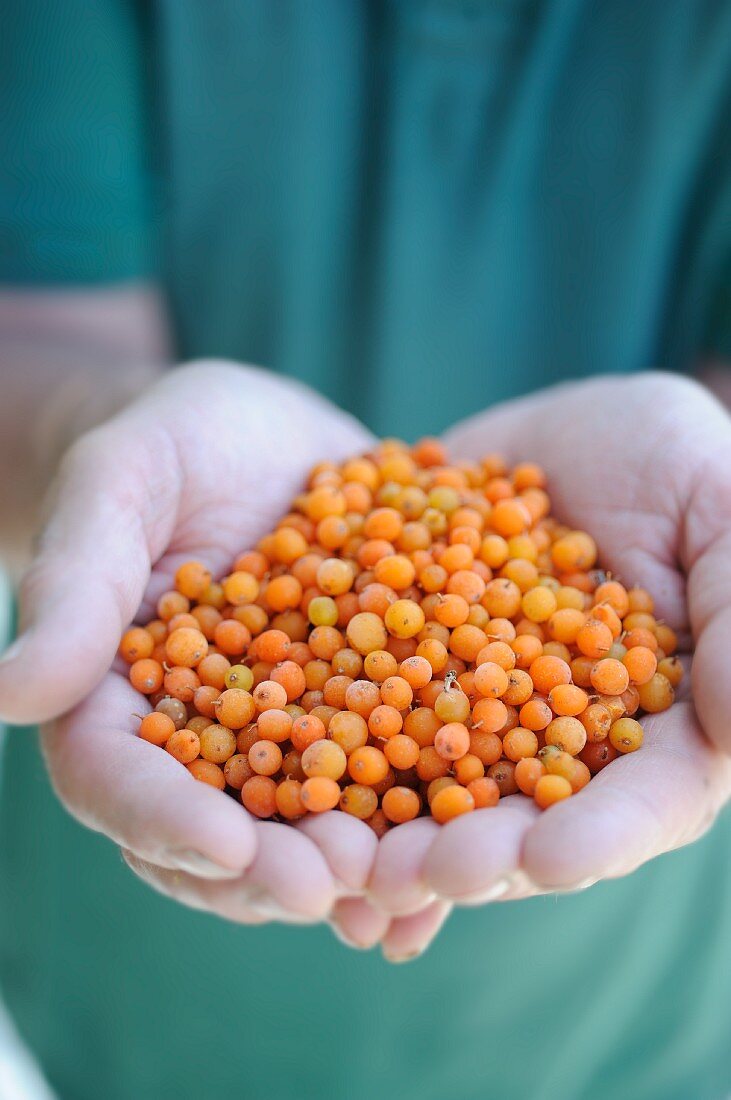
x=420 y=207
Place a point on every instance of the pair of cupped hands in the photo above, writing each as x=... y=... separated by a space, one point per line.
x=201 y=467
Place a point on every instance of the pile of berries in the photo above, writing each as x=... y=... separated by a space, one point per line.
x=413 y=637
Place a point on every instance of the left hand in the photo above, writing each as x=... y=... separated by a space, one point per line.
x=644 y=465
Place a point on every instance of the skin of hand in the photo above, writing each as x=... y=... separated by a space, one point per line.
x=644 y=465
x=201 y=466
x=639 y=462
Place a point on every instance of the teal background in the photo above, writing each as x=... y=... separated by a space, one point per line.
x=419 y=207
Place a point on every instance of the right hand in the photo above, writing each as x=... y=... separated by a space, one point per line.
x=201 y=466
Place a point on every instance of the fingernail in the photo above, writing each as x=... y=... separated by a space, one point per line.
x=195 y=863
x=407 y=956
x=348 y=940
x=493 y=892
x=584 y=884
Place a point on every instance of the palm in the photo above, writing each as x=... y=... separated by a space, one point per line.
x=201 y=467
x=644 y=466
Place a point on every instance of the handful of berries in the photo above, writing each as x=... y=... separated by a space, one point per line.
x=414 y=637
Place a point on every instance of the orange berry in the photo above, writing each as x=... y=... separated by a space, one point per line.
x=450 y=802
x=320 y=794
x=401 y=804
x=550 y=789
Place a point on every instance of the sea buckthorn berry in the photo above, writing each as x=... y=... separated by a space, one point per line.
x=657 y=694
x=157 y=728
x=548 y=672
x=269 y=695
x=672 y=669
x=451 y=802
x=192 y=578
x=137 y=644
x=235 y=707
x=641 y=664
x=265 y=757
x=217 y=743
x=519 y=743
x=594 y=639
x=182 y=683
x=452 y=741
x=366 y=632
x=320 y=794
x=538 y=604
x=667 y=639
x=274 y=725
x=404 y=619
x=484 y=791
x=567 y=734
x=550 y=789
x=384 y=721
x=520 y=688
x=259 y=796
x=272 y=646
x=567 y=699
x=367 y=765
x=324 y=758
x=416 y=671
x=510 y=517
x=401 y=804
x=306 y=729
x=467 y=641
x=322 y=611
x=240 y=588
x=491 y=680
x=206 y=772
x=237 y=770
x=610 y=677
x=402 y=752
x=291 y=677
x=397 y=692
x=335 y=576
x=359 y=801
x=575 y=551
x=174 y=709
x=452 y=705
x=171 y=604
x=379 y=665
x=503 y=772
x=528 y=771
x=596 y=755
x=597 y=721
x=626 y=735
x=146 y=675
x=288 y=798
x=536 y=714
x=467 y=768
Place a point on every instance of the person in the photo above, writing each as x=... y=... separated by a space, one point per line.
x=420 y=210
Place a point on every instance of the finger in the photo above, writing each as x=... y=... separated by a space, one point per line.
x=348 y=845
x=141 y=797
x=409 y=937
x=475 y=856
x=91 y=570
x=144 y=488
x=358 y=923
x=290 y=869
x=396 y=883
x=709 y=599
x=641 y=805
x=226 y=901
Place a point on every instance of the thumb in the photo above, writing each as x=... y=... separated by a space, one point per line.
x=115 y=502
